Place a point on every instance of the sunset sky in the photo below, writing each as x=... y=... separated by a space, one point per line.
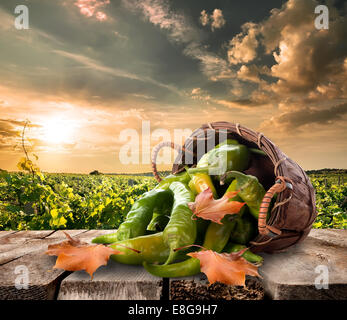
x=87 y=69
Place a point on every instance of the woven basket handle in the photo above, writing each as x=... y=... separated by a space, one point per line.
x=155 y=153
x=280 y=185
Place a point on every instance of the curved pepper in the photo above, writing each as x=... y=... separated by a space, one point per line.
x=158 y=222
x=152 y=249
x=183 y=177
x=181 y=229
x=248 y=255
x=138 y=217
x=141 y=214
x=216 y=237
x=250 y=190
x=161 y=213
x=185 y=268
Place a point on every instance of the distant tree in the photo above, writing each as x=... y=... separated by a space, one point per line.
x=95 y=172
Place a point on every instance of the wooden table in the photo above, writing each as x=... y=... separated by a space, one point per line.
x=289 y=275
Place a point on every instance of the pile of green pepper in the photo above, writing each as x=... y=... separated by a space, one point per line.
x=160 y=221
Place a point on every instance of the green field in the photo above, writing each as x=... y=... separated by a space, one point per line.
x=74 y=201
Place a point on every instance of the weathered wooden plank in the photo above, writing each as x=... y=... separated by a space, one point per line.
x=29 y=255
x=337 y=237
x=36 y=271
x=59 y=234
x=24 y=236
x=112 y=282
x=293 y=274
x=6 y=233
x=197 y=288
x=20 y=243
x=35 y=241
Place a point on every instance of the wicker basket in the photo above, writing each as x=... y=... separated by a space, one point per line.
x=295 y=208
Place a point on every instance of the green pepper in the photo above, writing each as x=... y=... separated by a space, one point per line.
x=141 y=214
x=158 y=222
x=191 y=266
x=161 y=214
x=248 y=255
x=185 y=268
x=200 y=181
x=228 y=155
x=152 y=249
x=216 y=237
x=181 y=229
x=183 y=177
x=204 y=160
x=138 y=217
x=244 y=229
x=251 y=191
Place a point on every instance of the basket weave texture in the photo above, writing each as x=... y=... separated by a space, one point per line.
x=294 y=211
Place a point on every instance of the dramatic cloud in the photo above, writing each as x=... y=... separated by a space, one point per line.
x=252 y=72
x=204 y=18
x=159 y=13
x=213 y=66
x=199 y=94
x=307 y=59
x=216 y=19
x=296 y=118
x=243 y=47
x=92 y=8
x=309 y=73
x=181 y=30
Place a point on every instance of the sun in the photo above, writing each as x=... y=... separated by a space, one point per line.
x=58 y=131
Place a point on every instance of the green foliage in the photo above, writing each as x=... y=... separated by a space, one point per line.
x=57 y=201
x=331 y=201
x=32 y=201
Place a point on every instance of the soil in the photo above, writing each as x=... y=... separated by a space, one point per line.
x=191 y=290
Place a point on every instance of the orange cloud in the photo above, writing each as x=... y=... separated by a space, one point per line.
x=91 y=8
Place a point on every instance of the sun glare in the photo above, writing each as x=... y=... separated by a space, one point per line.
x=58 y=131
